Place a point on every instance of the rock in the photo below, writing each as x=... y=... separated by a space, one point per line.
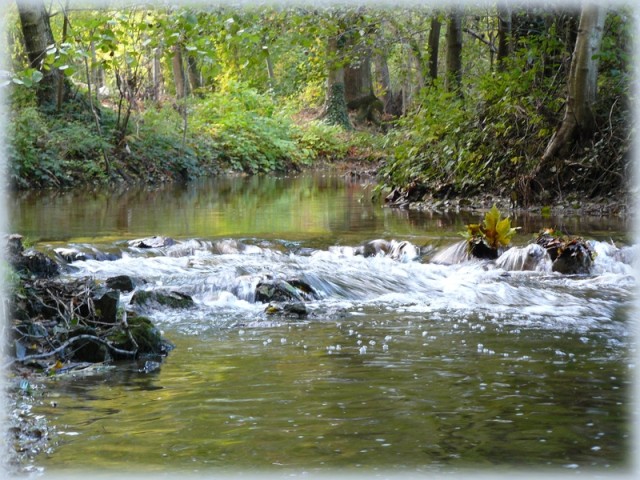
x=575 y=259
x=293 y=309
x=308 y=292
x=373 y=248
x=530 y=257
x=123 y=283
x=87 y=350
x=13 y=245
x=29 y=262
x=146 y=336
x=166 y=298
x=570 y=255
x=403 y=251
x=70 y=255
x=152 y=242
x=482 y=251
x=278 y=290
x=107 y=307
x=37 y=264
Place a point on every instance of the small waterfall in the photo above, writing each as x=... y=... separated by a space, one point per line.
x=453 y=254
x=403 y=251
x=530 y=257
x=611 y=259
x=343 y=282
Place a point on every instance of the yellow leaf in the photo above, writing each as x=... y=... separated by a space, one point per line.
x=504 y=232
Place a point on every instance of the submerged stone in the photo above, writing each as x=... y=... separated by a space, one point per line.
x=530 y=257
x=293 y=309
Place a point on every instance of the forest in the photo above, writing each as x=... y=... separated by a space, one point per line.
x=531 y=103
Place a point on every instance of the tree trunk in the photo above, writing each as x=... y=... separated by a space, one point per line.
x=453 y=80
x=390 y=102
x=422 y=67
x=178 y=73
x=579 y=120
x=157 y=76
x=194 y=73
x=504 y=33
x=36 y=31
x=96 y=73
x=434 y=46
x=270 y=73
x=335 y=109
x=358 y=84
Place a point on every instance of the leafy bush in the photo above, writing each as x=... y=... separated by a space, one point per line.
x=473 y=146
x=245 y=129
x=318 y=139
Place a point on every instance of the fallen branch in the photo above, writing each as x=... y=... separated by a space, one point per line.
x=93 y=338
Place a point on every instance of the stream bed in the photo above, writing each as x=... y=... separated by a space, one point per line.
x=400 y=365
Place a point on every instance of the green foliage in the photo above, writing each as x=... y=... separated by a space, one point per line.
x=486 y=144
x=321 y=140
x=336 y=113
x=246 y=130
x=490 y=139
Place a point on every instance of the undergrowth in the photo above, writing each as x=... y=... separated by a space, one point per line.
x=236 y=128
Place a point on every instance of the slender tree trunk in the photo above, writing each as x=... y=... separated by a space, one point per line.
x=36 y=31
x=579 y=120
x=60 y=87
x=504 y=33
x=194 y=73
x=157 y=75
x=434 y=46
x=270 y=73
x=422 y=67
x=178 y=73
x=453 y=80
x=96 y=72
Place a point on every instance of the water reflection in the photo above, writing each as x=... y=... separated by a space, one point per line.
x=323 y=209
x=399 y=367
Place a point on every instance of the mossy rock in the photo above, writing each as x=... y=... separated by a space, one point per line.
x=146 y=336
x=165 y=298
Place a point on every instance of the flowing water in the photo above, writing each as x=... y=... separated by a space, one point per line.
x=402 y=364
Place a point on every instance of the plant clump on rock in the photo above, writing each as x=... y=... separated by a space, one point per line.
x=486 y=239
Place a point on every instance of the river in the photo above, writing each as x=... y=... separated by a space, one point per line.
x=400 y=366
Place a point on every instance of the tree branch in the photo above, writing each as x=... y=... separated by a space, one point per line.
x=73 y=340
